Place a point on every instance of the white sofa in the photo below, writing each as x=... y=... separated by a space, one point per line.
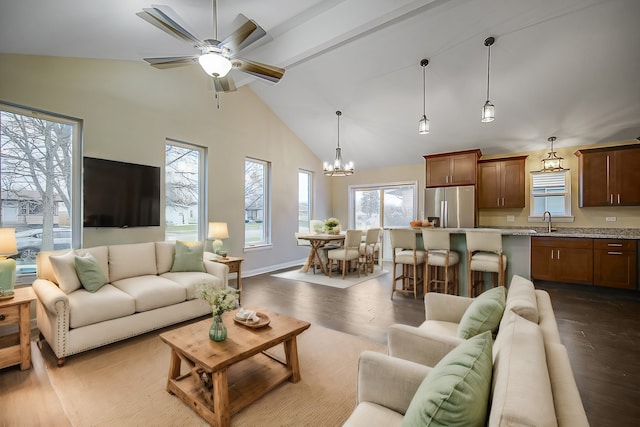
x=532 y=382
x=142 y=294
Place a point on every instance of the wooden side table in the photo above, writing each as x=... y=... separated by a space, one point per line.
x=16 y=348
x=235 y=266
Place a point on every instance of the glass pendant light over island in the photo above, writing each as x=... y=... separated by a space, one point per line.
x=423 y=124
x=338 y=167
x=488 y=111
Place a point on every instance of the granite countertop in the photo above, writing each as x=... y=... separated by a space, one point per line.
x=590 y=233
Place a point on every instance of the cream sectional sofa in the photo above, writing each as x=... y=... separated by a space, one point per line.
x=532 y=382
x=142 y=294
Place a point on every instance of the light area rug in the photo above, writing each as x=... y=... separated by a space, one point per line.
x=124 y=384
x=335 y=281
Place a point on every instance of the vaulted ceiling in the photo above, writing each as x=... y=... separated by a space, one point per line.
x=569 y=68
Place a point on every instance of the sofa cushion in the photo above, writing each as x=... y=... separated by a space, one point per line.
x=151 y=292
x=521 y=386
x=89 y=272
x=44 y=269
x=133 y=260
x=64 y=269
x=368 y=414
x=190 y=280
x=165 y=251
x=521 y=298
x=100 y=253
x=188 y=257
x=456 y=391
x=483 y=314
x=86 y=308
x=440 y=327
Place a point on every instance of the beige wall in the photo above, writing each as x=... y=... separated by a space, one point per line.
x=130 y=108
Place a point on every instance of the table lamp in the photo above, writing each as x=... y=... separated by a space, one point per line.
x=8 y=246
x=217 y=231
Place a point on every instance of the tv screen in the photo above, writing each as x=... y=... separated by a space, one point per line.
x=118 y=194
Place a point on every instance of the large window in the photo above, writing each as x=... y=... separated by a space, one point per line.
x=185 y=191
x=40 y=170
x=550 y=191
x=386 y=205
x=304 y=201
x=256 y=203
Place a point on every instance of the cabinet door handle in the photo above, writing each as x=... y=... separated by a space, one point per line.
x=611 y=199
x=558 y=253
x=618 y=199
x=615 y=245
x=614 y=253
x=503 y=201
x=446 y=179
x=551 y=253
x=498 y=201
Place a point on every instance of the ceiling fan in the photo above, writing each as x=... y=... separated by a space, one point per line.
x=216 y=57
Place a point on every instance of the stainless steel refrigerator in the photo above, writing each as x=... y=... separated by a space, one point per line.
x=451 y=207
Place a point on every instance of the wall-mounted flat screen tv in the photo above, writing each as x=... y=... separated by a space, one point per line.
x=118 y=194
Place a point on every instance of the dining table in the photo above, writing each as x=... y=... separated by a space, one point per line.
x=317 y=241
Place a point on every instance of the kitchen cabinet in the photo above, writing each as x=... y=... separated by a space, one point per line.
x=615 y=263
x=458 y=168
x=609 y=176
x=562 y=259
x=501 y=183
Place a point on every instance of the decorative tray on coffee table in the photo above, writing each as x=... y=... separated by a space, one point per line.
x=263 y=320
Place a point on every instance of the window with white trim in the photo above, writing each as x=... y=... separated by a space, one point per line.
x=550 y=191
x=304 y=200
x=257 y=187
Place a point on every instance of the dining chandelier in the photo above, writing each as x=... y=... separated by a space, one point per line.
x=423 y=124
x=338 y=167
x=488 y=111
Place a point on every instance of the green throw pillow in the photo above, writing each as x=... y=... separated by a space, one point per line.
x=188 y=257
x=456 y=391
x=89 y=272
x=483 y=314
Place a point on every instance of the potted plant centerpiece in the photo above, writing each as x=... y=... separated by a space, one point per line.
x=332 y=226
x=220 y=300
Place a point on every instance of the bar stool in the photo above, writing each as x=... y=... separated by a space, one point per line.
x=484 y=254
x=403 y=247
x=370 y=248
x=439 y=256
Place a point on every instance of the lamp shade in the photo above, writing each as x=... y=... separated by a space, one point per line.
x=215 y=64
x=8 y=245
x=218 y=230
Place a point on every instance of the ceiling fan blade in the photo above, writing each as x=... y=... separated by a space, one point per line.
x=257 y=69
x=160 y=17
x=248 y=32
x=224 y=84
x=172 y=61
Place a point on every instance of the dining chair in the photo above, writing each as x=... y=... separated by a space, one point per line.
x=441 y=260
x=350 y=251
x=484 y=254
x=405 y=253
x=370 y=248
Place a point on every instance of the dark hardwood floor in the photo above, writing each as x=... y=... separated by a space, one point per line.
x=600 y=327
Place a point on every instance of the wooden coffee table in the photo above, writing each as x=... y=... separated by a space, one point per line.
x=221 y=378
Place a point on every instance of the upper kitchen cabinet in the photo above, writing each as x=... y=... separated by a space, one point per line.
x=448 y=169
x=501 y=183
x=609 y=176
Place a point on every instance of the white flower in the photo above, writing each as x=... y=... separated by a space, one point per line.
x=220 y=300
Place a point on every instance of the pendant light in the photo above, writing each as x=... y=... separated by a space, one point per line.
x=423 y=124
x=552 y=163
x=488 y=111
x=338 y=168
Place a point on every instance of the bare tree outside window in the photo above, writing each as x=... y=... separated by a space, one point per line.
x=256 y=205
x=36 y=181
x=184 y=192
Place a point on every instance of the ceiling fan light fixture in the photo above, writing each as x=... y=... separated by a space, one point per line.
x=488 y=110
x=215 y=64
x=338 y=167
x=423 y=124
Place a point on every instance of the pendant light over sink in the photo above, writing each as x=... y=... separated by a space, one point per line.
x=488 y=111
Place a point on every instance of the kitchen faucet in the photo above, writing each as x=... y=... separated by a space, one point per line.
x=544 y=215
